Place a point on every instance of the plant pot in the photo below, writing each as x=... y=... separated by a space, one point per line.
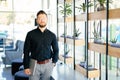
x=74 y=37
x=115 y=45
x=98 y=41
x=101 y=7
x=66 y=56
x=68 y=36
x=84 y=65
x=63 y=36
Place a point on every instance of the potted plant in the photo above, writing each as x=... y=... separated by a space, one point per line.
x=66 y=52
x=96 y=33
x=66 y=8
x=63 y=35
x=114 y=40
x=100 y=4
x=114 y=43
x=76 y=33
x=83 y=6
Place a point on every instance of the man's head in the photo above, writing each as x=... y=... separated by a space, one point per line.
x=41 y=19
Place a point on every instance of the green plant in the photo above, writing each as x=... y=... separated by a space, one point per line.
x=96 y=32
x=100 y=4
x=103 y=2
x=63 y=35
x=66 y=8
x=114 y=40
x=83 y=6
x=76 y=33
x=66 y=52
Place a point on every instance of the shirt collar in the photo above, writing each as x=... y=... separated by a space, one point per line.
x=40 y=30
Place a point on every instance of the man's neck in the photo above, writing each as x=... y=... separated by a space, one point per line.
x=42 y=29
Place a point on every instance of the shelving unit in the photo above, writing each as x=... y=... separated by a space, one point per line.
x=100 y=15
x=97 y=47
x=66 y=42
x=113 y=14
x=101 y=49
x=68 y=60
x=91 y=73
x=78 y=42
x=112 y=51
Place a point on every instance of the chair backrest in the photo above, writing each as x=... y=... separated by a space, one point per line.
x=17 y=45
x=1 y=41
x=20 y=46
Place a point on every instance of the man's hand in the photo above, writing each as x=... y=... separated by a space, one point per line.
x=27 y=71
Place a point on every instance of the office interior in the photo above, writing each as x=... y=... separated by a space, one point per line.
x=88 y=35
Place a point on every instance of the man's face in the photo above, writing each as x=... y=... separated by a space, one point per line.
x=42 y=20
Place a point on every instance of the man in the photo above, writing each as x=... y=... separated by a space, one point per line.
x=40 y=44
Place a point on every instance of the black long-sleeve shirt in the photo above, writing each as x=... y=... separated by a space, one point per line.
x=40 y=46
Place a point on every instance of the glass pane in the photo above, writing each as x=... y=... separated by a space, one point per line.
x=6 y=24
x=5 y=5
x=23 y=23
x=6 y=30
x=27 y=5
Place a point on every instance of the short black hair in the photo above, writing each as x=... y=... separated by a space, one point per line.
x=41 y=12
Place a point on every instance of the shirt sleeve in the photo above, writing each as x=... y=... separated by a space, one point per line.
x=55 y=50
x=26 y=58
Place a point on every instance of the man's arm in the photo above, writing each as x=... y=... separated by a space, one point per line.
x=26 y=52
x=55 y=50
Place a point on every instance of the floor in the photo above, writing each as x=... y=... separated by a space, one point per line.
x=5 y=73
x=60 y=72
x=64 y=72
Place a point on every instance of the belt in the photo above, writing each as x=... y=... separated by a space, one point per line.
x=43 y=62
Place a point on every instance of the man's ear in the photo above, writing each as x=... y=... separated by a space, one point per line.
x=35 y=22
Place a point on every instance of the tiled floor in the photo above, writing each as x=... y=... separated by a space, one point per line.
x=5 y=73
x=63 y=72
x=60 y=72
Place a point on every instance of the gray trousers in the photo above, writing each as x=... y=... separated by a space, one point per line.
x=42 y=71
